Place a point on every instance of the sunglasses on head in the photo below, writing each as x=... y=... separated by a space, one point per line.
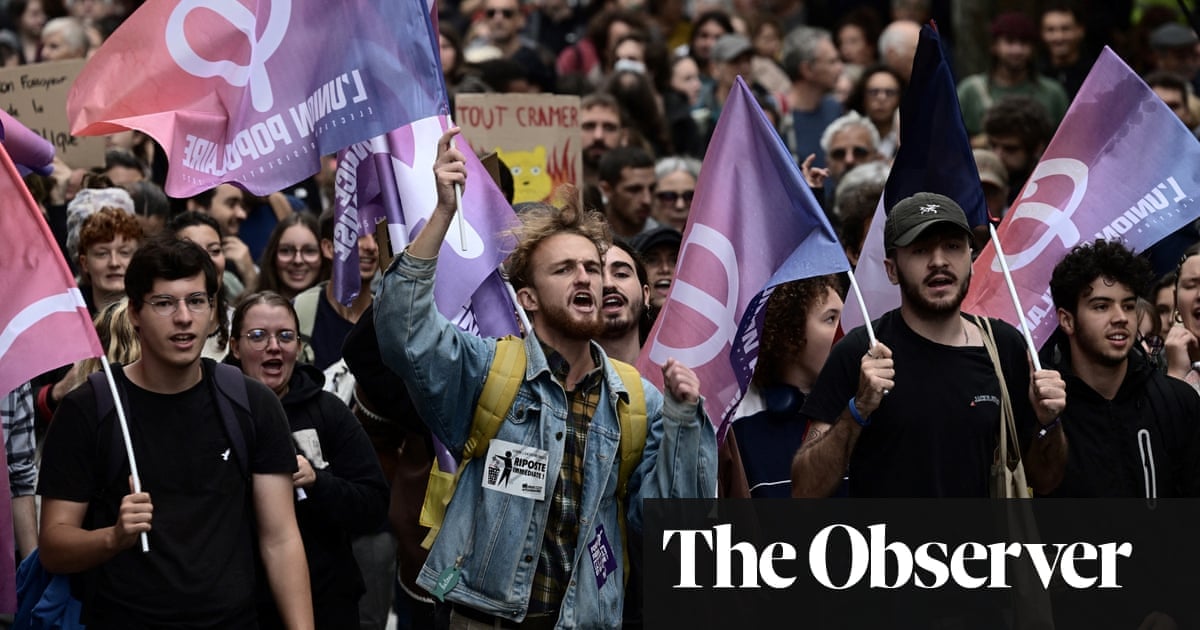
x=672 y=197
x=507 y=13
x=859 y=153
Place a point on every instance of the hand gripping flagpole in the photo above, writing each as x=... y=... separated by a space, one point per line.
x=133 y=469
x=862 y=305
x=1012 y=292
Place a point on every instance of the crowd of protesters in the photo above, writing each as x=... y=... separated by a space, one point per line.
x=181 y=288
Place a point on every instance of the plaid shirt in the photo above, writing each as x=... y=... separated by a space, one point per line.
x=16 y=410
x=557 y=557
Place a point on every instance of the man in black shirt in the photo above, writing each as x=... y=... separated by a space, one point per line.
x=1131 y=431
x=216 y=496
x=918 y=413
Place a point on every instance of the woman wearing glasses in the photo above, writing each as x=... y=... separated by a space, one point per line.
x=292 y=261
x=341 y=492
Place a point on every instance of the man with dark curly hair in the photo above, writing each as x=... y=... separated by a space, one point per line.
x=1131 y=431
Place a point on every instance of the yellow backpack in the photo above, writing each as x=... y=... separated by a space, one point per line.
x=499 y=391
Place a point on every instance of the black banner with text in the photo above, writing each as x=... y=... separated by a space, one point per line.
x=923 y=563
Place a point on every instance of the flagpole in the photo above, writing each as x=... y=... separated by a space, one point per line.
x=1012 y=292
x=512 y=293
x=862 y=305
x=133 y=469
x=458 y=209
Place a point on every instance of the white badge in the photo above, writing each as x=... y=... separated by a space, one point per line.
x=309 y=445
x=515 y=469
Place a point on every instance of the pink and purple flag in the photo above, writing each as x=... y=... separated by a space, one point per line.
x=391 y=178
x=44 y=323
x=255 y=95
x=934 y=156
x=754 y=224
x=1122 y=167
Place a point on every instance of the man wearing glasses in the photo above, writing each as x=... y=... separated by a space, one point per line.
x=504 y=24
x=847 y=142
x=204 y=510
x=1131 y=431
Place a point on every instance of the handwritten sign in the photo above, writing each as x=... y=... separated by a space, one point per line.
x=36 y=95
x=536 y=135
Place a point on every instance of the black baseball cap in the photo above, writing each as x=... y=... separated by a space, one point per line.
x=912 y=216
x=661 y=235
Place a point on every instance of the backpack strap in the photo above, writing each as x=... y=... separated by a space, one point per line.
x=504 y=379
x=105 y=407
x=305 y=304
x=632 y=416
x=229 y=389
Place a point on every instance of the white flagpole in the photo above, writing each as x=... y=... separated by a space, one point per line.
x=526 y=327
x=133 y=469
x=1012 y=292
x=862 y=305
x=458 y=209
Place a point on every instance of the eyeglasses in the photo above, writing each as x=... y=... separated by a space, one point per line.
x=166 y=305
x=258 y=338
x=1154 y=344
x=882 y=92
x=507 y=13
x=671 y=197
x=860 y=153
x=287 y=252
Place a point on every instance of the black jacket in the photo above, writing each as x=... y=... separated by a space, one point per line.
x=350 y=496
x=1143 y=443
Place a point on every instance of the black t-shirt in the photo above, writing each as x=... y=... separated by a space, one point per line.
x=935 y=434
x=200 y=571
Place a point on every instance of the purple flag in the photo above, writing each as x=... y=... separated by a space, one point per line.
x=257 y=94
x=30 y=152
x=468 y=257
x=934 y=156
x=1122 y=167
x=754 y=224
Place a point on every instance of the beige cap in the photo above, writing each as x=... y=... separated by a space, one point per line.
x=991 y=169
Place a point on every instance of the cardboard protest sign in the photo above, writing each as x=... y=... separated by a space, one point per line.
x=36 y=95
x=536 y=135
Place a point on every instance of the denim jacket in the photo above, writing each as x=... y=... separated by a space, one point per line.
x=494 y=538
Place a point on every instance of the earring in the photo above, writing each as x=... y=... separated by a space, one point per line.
x=1177 y=317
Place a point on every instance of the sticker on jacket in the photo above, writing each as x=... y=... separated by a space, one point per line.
x=515 y=469
x=604 y=561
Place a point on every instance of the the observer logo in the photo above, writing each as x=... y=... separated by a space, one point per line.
x=887 y=564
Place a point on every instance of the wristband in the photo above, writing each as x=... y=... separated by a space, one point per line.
x=862 y=422
x=1047 y=428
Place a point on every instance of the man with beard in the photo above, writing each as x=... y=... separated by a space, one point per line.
x=625 y=301
x=627 y=181
x=918 y=413
x=602 y=128
x=508 y=556
x=1130 y=431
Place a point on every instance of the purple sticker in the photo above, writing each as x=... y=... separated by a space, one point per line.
x=604 y=563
